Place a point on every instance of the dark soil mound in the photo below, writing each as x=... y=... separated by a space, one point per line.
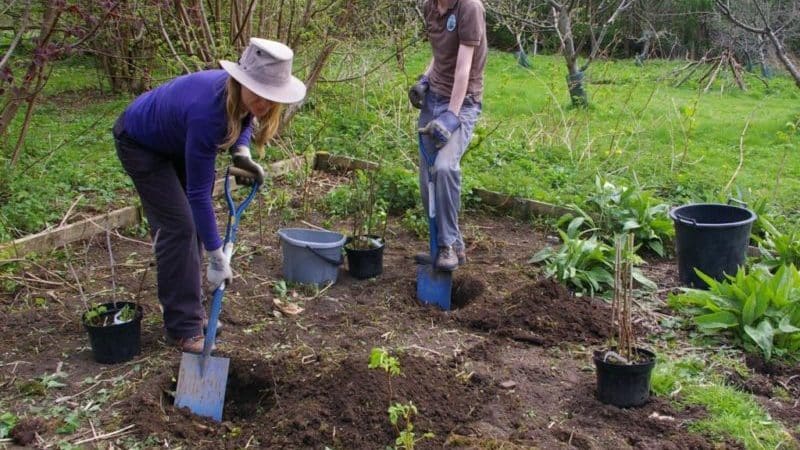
x=542 y=313
x=342 y=405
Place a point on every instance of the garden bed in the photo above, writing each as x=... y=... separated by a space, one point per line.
x=510 y=367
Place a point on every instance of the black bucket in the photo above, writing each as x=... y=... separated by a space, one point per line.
x=712 y=238
x=624 y=385
x=116 y=343
x=365 y=263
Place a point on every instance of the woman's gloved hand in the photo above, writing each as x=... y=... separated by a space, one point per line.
x=219 y=266
x=240 y=156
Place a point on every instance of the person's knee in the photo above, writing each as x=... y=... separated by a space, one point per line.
x=446 y=168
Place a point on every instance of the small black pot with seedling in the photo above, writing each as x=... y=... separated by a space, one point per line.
x=623 y=370
x=364 y=247
x=114 y=328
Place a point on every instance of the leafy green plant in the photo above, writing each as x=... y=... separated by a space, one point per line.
x=126 y=314
x=620 y=209
x=96 y=316
x=367 y=212
x=7 y=422
x=759 y=309
x=585 y=265
x=407 y=438
x=379 y=358
x=777 y=249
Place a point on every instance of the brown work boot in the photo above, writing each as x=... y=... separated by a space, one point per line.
x=425 y=258
x=447 y=260
x=189 y=344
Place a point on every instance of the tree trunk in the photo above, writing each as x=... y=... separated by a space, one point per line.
x=784 y=57
x=575 y=77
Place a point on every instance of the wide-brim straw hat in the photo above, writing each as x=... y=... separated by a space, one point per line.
x=265 y=68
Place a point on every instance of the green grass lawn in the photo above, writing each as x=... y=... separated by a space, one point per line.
x=681 y=144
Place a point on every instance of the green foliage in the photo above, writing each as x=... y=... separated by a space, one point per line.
x=415 y=222
x=95 y=315
x=777 y=249
x=7 y=422
x=759 y=309
x=398 y=187
x=126 y=314
x=585 y=265
x=379 y=358
x=406 y=438
x=359 y=202
x=620 y=209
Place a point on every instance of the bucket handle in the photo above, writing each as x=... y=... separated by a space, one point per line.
x=686 y=220
x=331 y=261
x=737 y=201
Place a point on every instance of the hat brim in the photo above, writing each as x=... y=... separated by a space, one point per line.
x=290 y=92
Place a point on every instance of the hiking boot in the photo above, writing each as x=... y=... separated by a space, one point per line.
x=189 y=344
x=446 y=260
x=425 y=258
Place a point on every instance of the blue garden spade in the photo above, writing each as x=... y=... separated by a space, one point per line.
x=202 y=378
x=433 y=286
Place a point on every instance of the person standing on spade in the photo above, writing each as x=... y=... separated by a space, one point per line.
x=449 y=97
x=168 y=140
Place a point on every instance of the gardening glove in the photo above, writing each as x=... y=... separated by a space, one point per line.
x=441 y=128
x=219 y=266
x=241 y=159
x=417 y=92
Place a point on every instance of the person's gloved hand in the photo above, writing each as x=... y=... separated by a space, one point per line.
x=240 y=156
x=441 y=128
x=417 y=92
x=219 y=266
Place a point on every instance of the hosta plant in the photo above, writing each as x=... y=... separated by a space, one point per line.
x=760 y=310
x=776 y=248
x=584 y=262
x=621 y=209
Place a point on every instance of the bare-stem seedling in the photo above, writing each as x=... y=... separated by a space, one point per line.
x=621 y=327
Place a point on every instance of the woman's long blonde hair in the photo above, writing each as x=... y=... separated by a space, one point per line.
x=265 y=126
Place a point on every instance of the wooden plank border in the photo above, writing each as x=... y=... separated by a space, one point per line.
x=125 y=217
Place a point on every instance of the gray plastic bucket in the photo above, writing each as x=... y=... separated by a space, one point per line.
x=311 y=256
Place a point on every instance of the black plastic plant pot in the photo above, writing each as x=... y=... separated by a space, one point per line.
x=624 y=385
x=115 y=343
x=365 y=262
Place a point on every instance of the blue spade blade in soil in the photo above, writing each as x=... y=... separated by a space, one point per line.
x=434 y=286
x=203 y=393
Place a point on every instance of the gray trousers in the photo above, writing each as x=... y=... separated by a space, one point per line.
x=160 y=181
x=447 y=166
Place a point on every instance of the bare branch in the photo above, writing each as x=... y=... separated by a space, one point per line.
x=22 y=27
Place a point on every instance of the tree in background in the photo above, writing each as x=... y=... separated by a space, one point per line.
x=63 y=29
x=771 y=20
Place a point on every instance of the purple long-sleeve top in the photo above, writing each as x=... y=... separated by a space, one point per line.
x=187 y=117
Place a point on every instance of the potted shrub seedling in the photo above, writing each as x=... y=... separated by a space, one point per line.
x=114 y=328
x=623 y=370
x=364 y=247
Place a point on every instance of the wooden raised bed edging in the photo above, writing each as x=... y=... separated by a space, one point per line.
x=125 y=217
x=326 y=162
